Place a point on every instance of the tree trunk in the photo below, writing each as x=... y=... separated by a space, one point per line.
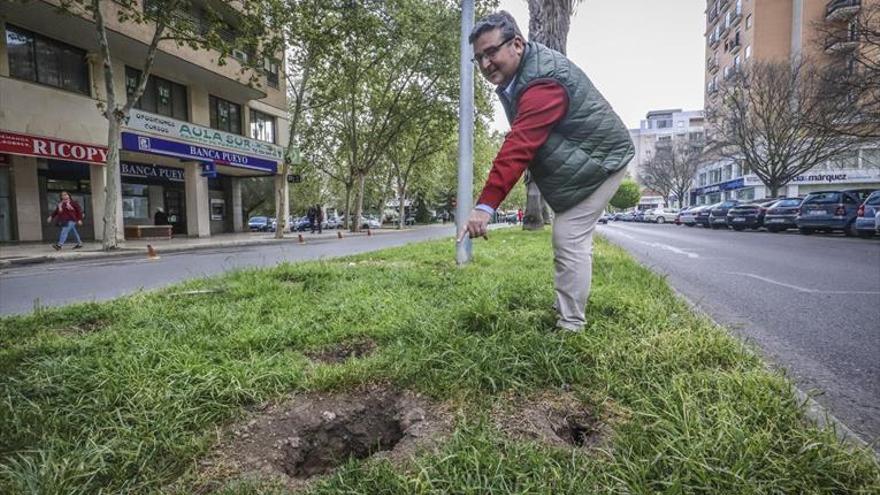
x=533 y=219
x=281 y=200
x=549 y=21
x=401 y=206
x=348 y=187
x=112 y=187
x=359 y=199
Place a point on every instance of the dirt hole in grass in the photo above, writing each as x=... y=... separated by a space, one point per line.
x=557 y=419
x=309 y=435
x=343 y=351
x=86 y=326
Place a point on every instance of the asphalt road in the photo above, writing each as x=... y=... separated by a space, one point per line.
x=23 y=288
x=810 y=303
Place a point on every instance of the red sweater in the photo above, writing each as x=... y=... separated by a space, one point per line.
x=67 y=211
x=540 y=108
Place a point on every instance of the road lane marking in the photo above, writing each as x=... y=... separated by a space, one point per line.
x=660 y=245
x=805 y=290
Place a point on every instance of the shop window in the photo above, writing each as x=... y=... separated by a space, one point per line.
x=42 y=60
x=225 y=115
x=135 y=202
x=262 y=126
x=160 y=96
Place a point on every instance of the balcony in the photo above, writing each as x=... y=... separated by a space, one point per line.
x=712 y=65
x=841 y=43
x=735 y=46
x=842 y=9
x=733 y=18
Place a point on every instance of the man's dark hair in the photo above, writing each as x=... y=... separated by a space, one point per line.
x=499 y=20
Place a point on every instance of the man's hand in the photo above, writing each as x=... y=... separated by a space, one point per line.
x=477 y=225
x=79 y=222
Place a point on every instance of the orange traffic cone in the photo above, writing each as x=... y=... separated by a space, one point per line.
x=152 y=255
x=339 y=234
x=301 y=240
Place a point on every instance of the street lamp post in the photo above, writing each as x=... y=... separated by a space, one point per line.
x=463 y=250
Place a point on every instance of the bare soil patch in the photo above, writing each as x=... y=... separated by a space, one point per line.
x=343 y=351
x=557 y=419
x=311 y=434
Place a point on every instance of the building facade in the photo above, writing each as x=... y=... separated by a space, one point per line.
x=739 y=31
x=196 y=132
x=659 y=129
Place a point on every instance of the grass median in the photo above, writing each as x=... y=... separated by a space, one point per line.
x=133 y=395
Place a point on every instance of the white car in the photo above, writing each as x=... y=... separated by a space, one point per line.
x=661 y=215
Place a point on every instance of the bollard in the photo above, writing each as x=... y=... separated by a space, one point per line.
x=152 y=255
x=301 y=240
x=369 y=232
x=339 y=234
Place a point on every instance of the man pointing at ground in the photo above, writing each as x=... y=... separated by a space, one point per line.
x=567 y=136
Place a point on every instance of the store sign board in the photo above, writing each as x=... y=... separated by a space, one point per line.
x=43 y=147
x=188 y=132
x=148 y=171
x=839 y=176
x=158 y=146
x=724 y=186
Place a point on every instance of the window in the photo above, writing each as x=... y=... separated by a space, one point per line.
x=270 y=68
x=35 y=58
x=225 y=115
x=749 y=21
x=262 y=126
x=728 y=171
x=160 y=96
x=748 y=52
x=135 y=201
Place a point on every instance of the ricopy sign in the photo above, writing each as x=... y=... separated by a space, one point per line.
x=43 y=147
x=177 y=130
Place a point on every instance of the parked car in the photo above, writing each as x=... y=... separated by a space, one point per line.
x=677 y=219
x=868 y=215
x=661 y=215
x=749 y=215
x=718 y=213
x=829 y=211
x=782 y=214
x=639 y=216
x=689 y=216
x=605 y=218
x=259 y=224
x=702 y=216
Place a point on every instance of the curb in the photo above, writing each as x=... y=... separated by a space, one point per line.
x=815 y=412
x=126 y=251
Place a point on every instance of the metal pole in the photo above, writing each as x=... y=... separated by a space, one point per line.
x=463 y=251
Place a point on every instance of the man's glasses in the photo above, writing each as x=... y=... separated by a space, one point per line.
x=489 y=53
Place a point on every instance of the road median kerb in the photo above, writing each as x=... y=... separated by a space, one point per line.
x=815 y=412
x=135 y=251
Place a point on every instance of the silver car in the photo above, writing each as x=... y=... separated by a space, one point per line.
x=868 y=215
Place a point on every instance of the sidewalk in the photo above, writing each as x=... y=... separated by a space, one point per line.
x=42 y=252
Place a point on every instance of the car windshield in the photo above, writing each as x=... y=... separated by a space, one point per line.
x=788 y=203
x=259 y=220
x=873 y=199
x=823 y=198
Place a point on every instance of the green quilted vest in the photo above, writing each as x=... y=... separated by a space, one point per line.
x=586 y=146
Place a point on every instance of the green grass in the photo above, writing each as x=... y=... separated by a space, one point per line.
x=125 y=396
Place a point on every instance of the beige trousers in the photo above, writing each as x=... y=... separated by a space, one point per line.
x=573 y=253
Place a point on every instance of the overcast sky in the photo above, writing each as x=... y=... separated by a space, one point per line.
x=642 y=54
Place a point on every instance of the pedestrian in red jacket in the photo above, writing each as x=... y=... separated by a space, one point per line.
x=67 y=215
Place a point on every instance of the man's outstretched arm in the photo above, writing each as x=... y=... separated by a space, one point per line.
x=541 y=107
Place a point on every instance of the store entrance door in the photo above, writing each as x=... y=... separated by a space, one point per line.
x=175 y=207
x=5 y=206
